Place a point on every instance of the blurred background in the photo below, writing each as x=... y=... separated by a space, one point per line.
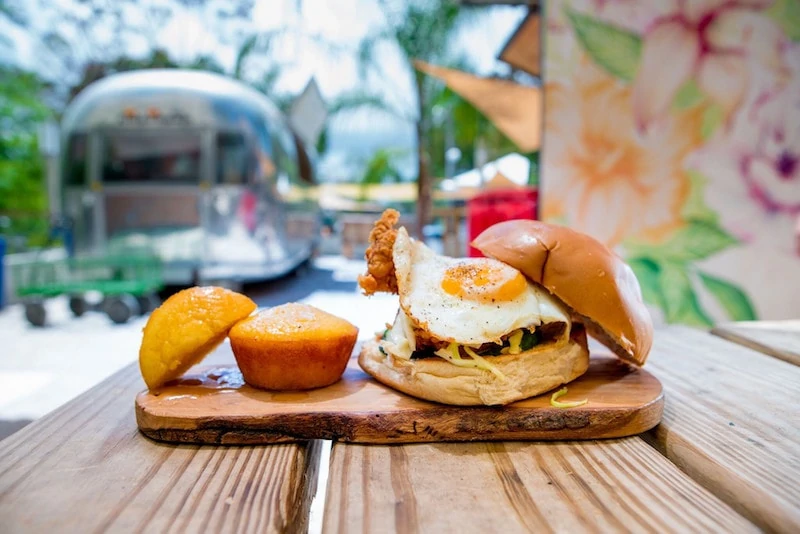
x=151 y=145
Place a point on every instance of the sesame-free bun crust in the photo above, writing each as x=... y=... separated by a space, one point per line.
x=527 y=374
x=292 y=347
x=599 y=288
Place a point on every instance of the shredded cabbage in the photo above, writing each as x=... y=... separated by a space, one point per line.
x=452 y=355
x=483 y=364
x=558 y=404
x=401 y=342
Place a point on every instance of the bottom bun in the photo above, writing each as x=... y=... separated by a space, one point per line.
x=527 y=374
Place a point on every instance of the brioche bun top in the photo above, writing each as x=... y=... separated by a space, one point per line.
x=598 y=287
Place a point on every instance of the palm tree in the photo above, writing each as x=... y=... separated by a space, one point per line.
x=95 y=40
x=418 y=29
x=381 y=168
x=11 y=12
x=261 y=45
x=463 y=126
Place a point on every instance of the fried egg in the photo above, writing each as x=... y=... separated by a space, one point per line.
x=468 y=301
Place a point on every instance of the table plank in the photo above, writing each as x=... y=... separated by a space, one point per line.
x=604 y=486
x=85 y=468
x=731 y=421
x=780 y=339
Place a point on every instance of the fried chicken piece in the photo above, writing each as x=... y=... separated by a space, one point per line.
x=425 y=341
x=380 y=275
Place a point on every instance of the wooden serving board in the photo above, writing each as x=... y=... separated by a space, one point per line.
x=213 y=405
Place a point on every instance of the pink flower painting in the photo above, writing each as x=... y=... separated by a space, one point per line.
x=769 y=157
x=707 y=41
x=672 y=132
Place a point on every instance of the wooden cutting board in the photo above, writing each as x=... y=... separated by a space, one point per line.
x=212 y=405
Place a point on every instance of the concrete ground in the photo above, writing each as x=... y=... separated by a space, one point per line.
x=42 y=368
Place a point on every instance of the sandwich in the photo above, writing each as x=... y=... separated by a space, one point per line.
x=505 y=327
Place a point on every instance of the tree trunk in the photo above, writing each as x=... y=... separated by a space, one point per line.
x=424 y=200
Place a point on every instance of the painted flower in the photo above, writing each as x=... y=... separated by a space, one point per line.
x=753 y=186
x=603 y=178
x=631 y=15
x=710 y=42
x=771 y=166
x=759 y=157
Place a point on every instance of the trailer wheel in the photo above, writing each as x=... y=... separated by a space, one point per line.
x=148 y=303
x=35 y=313
x=120 y=308
x=78 y=305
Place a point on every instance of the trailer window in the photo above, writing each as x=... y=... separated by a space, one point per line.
x=233 y=160
x=75 y=160
x=152 y=157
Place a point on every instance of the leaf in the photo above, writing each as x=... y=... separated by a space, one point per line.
x=786 y=13
x=712 y=118
x=695 y=208
x=735 y=301
x=322 y=142
x=689 y=95
x=612 y=48
x=13 y=14
x=694 y=241
x=355 y=100
x=205 y=62
x=56 y=42
x=648 y=273
x=244 y=52
x=680 y=301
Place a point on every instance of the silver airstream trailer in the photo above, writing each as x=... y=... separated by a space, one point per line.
x=197 y=167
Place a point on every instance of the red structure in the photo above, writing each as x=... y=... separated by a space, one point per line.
x=494 y=206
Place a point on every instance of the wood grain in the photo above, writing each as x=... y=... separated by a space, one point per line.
x=780 y=339
x=732 y=423
x=215 y=406
x=605 y=486
x=85 y=468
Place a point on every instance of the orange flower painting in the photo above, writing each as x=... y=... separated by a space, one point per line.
x=613 y=183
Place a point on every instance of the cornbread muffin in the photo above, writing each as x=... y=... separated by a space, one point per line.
x=292 y=347
x=185 y=328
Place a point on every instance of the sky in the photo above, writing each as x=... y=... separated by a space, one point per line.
x=192 y=32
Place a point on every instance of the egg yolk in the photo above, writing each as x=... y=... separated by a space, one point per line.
x=478 y=281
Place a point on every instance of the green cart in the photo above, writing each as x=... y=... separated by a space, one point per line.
x=128 y=282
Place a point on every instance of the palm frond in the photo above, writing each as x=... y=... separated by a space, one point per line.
x=358 y=100
x=331 y=47
x=206 y=62
x=383 y=167
x=13 y=13
x=367 y=54
x=242 y=54
x=260 y=43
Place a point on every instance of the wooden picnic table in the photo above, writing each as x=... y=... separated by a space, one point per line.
x=726 y=458
x=86 y=468
x=780 y=339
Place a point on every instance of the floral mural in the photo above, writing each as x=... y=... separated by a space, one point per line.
x=672 y=133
